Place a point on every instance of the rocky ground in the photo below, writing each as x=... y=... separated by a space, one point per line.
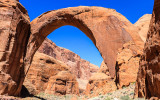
x=126 y=93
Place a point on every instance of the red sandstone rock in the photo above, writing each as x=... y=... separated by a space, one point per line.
x=63 y=83
x=128 y=57
x=107 y=29
x=49 y=75
x=100 y=84
x=127 y=64
x=143 y=26
x=14 y=33
x=104 y=69
x=79 y=67
x=148 y=80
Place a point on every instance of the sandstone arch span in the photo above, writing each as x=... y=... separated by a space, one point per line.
x=20 y=39
x=105 y=27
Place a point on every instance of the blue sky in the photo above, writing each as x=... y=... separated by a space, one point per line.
x=71 y=37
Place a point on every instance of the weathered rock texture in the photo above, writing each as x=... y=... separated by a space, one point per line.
x=107 y=29
x=127 y=64
x=14 y=33
x=79 y=67
x=100 y=84
x=148 y=80
x=143 y=26
x=63 y=83
x=51 y=76
x=104 y=69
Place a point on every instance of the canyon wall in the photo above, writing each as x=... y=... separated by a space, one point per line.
x=14 y=34
x=51 y=76
x=81 y=68
x=148 y=80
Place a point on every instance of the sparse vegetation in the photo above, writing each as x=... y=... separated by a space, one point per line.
x=125 y=98
x=107 y=98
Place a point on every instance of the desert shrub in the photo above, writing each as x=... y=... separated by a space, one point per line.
x=109 y=93
x=91 y=92
x=101 y=96
x=107 y=98
x=123 y=87
x=125 y=97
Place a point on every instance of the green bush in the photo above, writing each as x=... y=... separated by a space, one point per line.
x=107 y=98
x=125 y=98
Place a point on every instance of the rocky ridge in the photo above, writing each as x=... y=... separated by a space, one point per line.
x=143 y=26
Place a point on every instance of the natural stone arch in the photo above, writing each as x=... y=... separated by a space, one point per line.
x=105 y=27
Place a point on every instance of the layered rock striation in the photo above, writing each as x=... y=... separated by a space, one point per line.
x=48 y=75
x=14 y=35
x=81 y=68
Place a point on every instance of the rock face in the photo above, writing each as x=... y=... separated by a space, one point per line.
x=148 y=80
x=14 y=33
x=63 y=83
x=143 y=26
x=51 y=76
x=127 y=64
x=100 y=84
x=104 y=69
x=79 y=67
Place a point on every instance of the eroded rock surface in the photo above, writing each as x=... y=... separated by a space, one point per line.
x=148 y=81
x=14 y=33
x=143 y=26
x=51 y=76
x=107 y=29
x=100 y=84
x=104 y=69
x=79 y=67
x=127 y=64
x=63 y=83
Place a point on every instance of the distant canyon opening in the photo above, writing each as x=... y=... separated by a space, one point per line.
x=67 y=51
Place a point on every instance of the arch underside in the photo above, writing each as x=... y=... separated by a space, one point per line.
x=105 y=27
